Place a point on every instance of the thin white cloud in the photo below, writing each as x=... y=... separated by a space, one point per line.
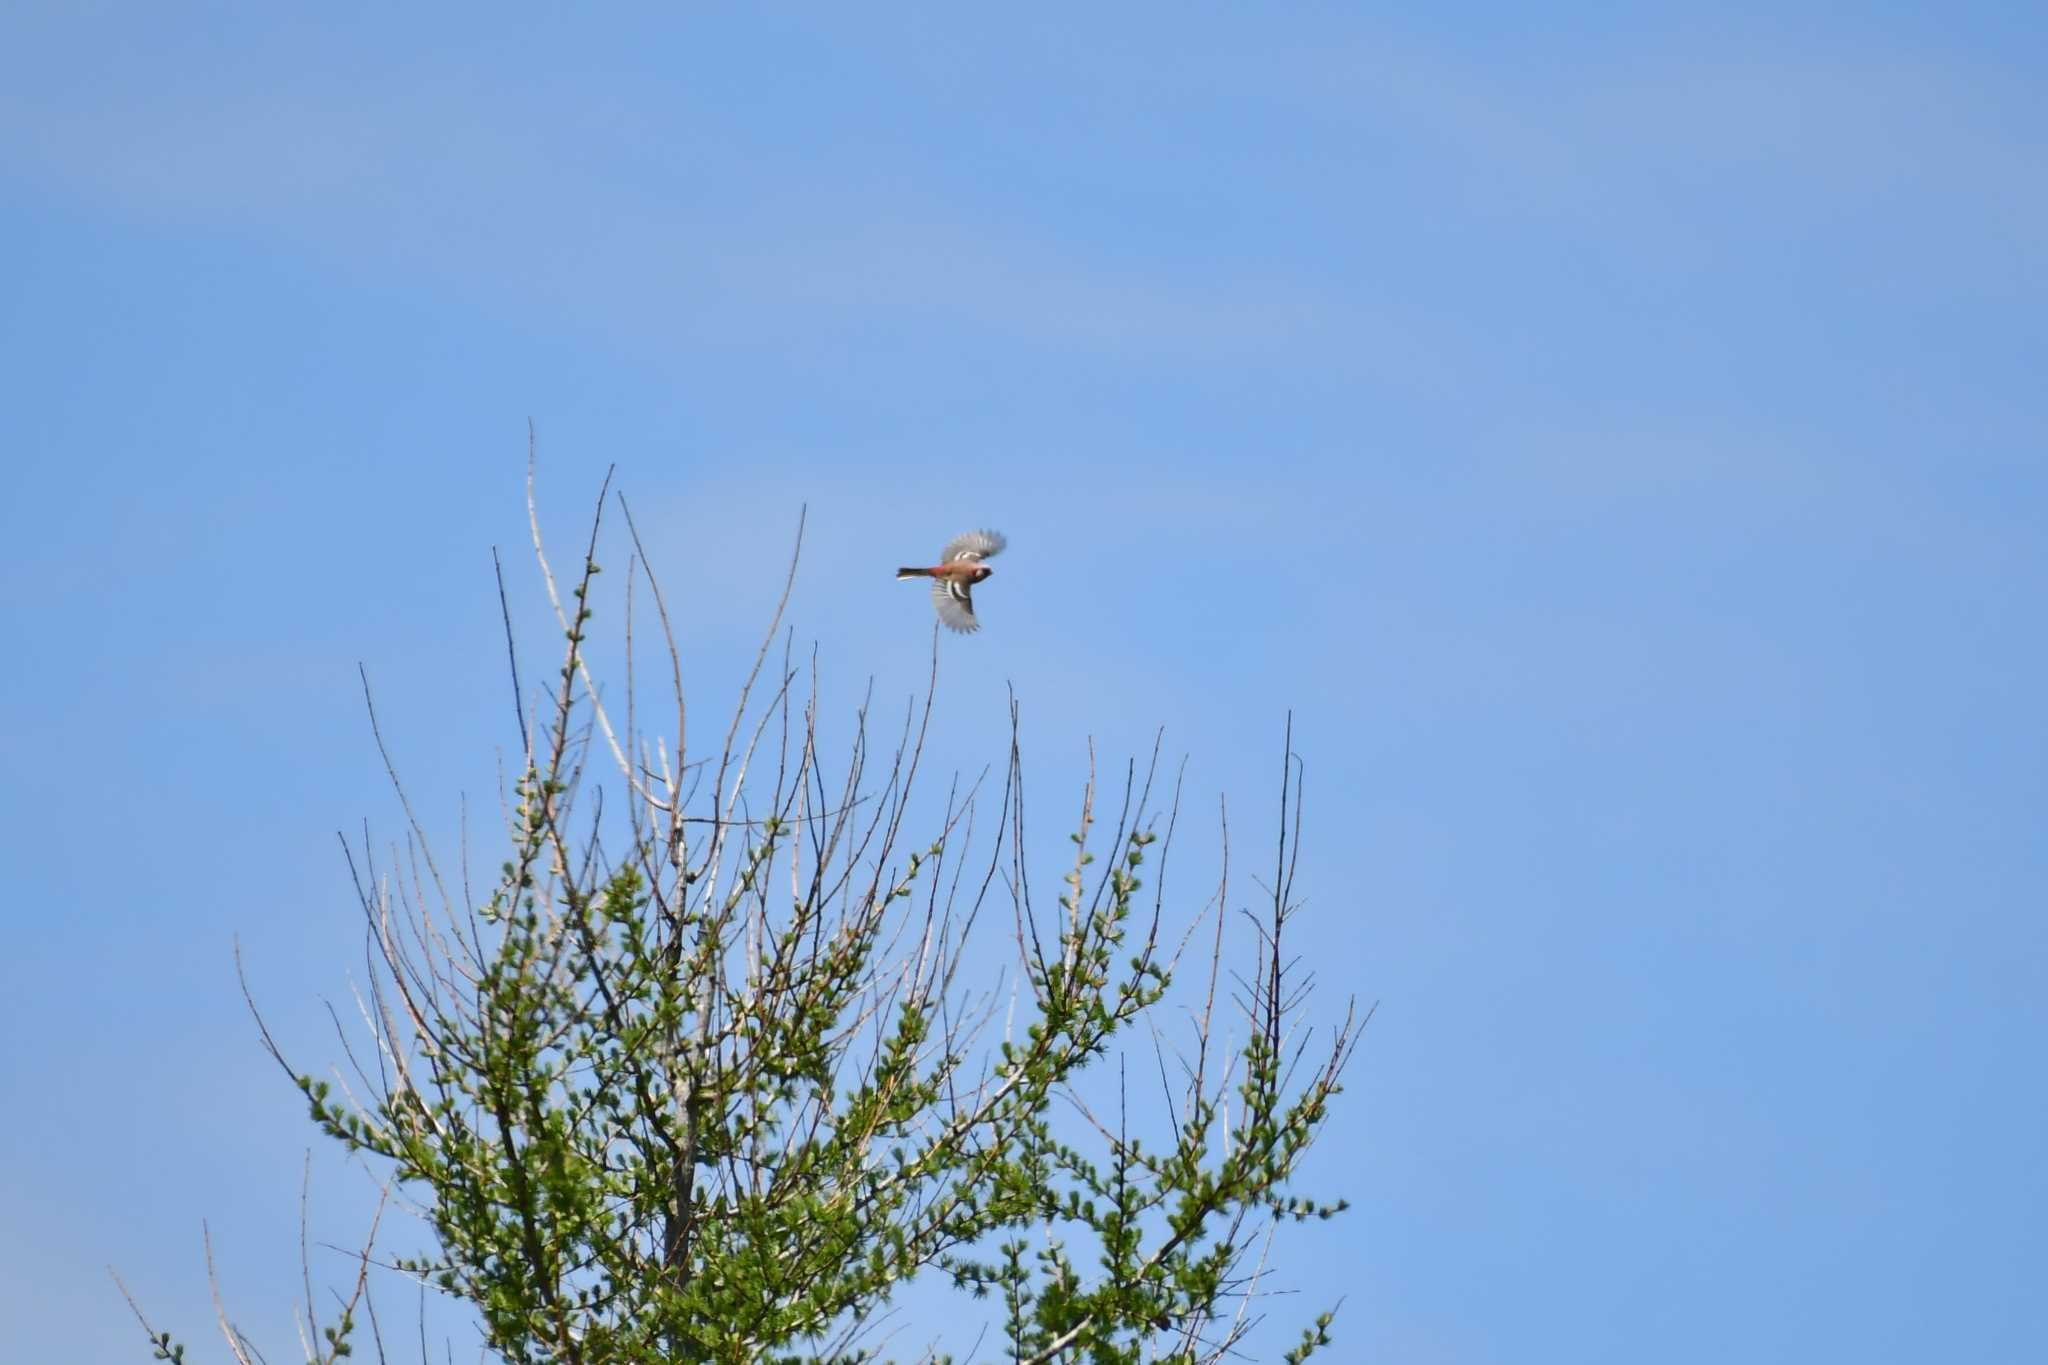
x=418 y=180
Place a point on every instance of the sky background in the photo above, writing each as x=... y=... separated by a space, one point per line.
x=1616 y=433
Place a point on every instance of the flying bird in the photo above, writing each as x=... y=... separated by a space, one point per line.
x=953 y=578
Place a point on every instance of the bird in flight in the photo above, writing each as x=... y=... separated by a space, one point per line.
x=953 y=578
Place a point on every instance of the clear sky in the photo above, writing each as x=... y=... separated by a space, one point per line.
x=1617 y=433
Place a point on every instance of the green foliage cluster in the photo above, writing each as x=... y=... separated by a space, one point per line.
x=699 y=1085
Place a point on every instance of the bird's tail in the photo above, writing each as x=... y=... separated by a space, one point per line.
x=902 y=574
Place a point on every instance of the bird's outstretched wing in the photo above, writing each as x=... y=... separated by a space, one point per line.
x=975 y=545
x=955 y=602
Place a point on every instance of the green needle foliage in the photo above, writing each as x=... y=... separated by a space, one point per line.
x=701 y=1079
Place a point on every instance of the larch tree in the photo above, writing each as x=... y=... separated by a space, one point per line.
x=703 y=1076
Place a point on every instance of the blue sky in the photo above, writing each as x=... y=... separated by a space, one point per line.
x=1616 y=433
